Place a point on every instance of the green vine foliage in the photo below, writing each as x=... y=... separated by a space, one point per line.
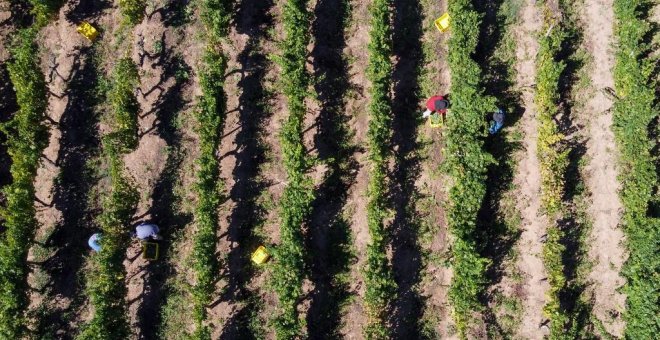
x=466 y=162
x=216 y=15
x=105 y=282
x=552 y=156
x=45 y=10
x=125 y=107
x=133 y=10
x=210 y=117
x=553 y=161
x=27 y=136
x=379 y=280
x=295 y=204
x=633 y=112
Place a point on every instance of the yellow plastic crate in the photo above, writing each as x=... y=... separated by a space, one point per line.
x=88 y=31
x=150 y=250
x=442 y=23
x=260 y=256
x=436 y=120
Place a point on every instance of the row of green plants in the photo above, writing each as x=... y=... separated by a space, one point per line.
x=379 y=280
x=553 y=159
x=466 y=163
x=634 y=111
x=27 y=136
x=568 y=224
x=296 y=201
x=210 y=116
x=106 y=280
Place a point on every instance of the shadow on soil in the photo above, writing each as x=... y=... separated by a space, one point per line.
x=8 y=106
x=253 y=19
x=497 y=234
x=20 y=15
x=574 y=225
x=165 y=210
x=73 y=196
x=408 y=308
x=329 y=236
x=73 y=193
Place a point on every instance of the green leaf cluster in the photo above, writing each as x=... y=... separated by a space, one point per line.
x=633 y=112
x=45 y=9
x=27 y=136
x=295 y=204
x=125 y=107
x=216 y=15
x=466 y=161
x=132 y=10
x=106 y=280
x=379 y=280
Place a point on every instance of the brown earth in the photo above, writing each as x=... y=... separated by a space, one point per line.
x=606 y=247
x=356 y=205
x=528 y=182
x=63 y=212
x=250 y=166
x=61 y=43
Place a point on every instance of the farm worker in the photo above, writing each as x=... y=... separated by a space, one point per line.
x=93 y=242
x=145 y=231
x=498 y=121
x=436 y=104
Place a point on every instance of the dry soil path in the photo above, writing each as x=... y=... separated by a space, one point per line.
x=60 y=62
x=356 y=107
x=605 y=242
x=528 y=180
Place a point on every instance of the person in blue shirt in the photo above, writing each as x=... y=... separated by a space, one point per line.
x=498 y=121
x=146 y=231
x=93 y=242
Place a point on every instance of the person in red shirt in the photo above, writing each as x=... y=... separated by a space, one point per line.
x=437 y=105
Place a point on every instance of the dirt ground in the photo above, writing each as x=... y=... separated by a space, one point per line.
x=358 y=39
x=528 y=182
x=606 y=251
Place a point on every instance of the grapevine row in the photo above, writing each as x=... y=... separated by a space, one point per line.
x=105 y=283
x=566 y=319
x=633 y=112
x=466 y=161
x=210 y=116
x=379 y=280
x=27 y=136
x=553 y=159
x=295 y=204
